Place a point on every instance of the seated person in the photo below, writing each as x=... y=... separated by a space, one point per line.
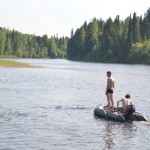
x=125 y=102
x=128 y=107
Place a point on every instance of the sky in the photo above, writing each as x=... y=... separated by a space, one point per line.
x=59 y=17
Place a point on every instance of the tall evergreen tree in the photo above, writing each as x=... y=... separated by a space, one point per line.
x=146 y=24
x=8 y=49
x=117 y=37
x=108 y=35
x=53 y=48
x=72 y=33
x=91 y=39
x=136 y=28
x=129 y=34
x=2 y=41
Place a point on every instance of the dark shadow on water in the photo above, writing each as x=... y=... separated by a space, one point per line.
x=75 y=108
x=62 y=107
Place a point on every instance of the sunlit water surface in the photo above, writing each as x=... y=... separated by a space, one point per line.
x=51 y=108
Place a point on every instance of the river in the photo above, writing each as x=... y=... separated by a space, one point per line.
x=51 y=108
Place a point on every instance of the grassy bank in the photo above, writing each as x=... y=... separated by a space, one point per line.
x=10 y=63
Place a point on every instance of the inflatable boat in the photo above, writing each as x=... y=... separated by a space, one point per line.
x=102 y=112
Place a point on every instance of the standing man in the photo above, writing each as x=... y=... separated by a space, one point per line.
x=109 y=90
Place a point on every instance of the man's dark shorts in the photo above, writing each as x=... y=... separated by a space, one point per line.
x=110 y=91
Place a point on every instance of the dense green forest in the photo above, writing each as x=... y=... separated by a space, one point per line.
x=16 y=44
x=116 y=41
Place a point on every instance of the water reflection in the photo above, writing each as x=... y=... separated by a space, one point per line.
x=109 y=136
x=116 y=133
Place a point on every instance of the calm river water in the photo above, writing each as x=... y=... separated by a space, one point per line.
x=51 y=108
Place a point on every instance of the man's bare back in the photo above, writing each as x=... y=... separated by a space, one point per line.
x=126 y=102
x=110 y=83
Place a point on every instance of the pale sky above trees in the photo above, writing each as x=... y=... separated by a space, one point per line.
x=51 y=17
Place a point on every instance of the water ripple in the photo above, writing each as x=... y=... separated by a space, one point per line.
x=52 y=108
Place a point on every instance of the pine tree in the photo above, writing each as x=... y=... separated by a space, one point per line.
x=2 y=41
x=91 y=39
x=8 y=49
x=146 y=24
x=72 y=33
x=53 y=48
x=136 y=28
x=129 y=34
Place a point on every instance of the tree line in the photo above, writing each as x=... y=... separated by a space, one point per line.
x=117 y=41
x=16 y=44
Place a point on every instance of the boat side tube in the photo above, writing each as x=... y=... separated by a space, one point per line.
x=139 y=117
x=99 y=111
x=115 y=116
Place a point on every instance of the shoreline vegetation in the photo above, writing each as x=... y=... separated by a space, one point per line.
x=104 y=41
x=14 y=64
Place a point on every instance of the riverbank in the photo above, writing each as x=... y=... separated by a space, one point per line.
x=14 y=64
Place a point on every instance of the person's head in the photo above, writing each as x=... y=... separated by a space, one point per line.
x=127 y=96
x=108 y=73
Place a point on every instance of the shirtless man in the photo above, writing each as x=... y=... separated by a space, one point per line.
x=125 y=102
x=109 y=90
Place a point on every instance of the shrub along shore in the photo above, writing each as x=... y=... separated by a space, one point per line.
x=14 y=64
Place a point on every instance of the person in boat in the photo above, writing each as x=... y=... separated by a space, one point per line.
x=125 y=102
x=109 y=90
x=127 y=107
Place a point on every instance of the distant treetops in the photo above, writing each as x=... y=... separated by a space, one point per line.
x=14 y=43
x=117 y=41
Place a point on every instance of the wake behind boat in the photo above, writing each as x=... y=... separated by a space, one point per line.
x=102 y=112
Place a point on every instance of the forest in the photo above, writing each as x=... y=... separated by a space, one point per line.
x=16 y=44
x=111 y=41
